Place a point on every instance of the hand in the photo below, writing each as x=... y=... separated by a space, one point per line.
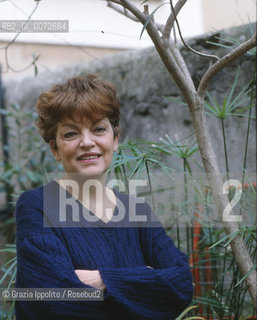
x=91 y=278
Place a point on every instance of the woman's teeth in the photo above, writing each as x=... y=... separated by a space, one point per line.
x=88 y=157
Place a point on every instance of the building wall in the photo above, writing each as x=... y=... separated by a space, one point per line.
x=142 y=82
x=50 y=57
x=96 y=30
x=220 y=14
x=91 y=23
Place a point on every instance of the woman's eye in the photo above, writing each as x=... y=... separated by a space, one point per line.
x=70 y=134
x=100 y=129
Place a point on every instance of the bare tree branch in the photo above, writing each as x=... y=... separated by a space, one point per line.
x=18 y=33
x=5 y=48
x=231 y=56
x=164 y=52
x=128 y=14
x=239 y=249
x=146 y=10
x=175 y=57
x=176 y=66
x=114 y=1
x=171 y=19
x=122 y=11
x=206 y=55
x=182 y=65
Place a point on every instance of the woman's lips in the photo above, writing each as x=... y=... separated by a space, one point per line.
x=89 y=157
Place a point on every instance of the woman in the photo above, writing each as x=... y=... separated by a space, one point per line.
x=136 y=264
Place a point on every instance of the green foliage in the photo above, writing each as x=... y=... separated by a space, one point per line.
x=229 y=42
x=150 y=17
x=233 y=104
x=8 y=275
x=27 y=161
x=220 y=297
x=181 y=316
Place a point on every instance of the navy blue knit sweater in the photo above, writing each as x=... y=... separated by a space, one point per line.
x=47 y=258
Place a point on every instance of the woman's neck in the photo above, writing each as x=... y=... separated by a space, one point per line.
x=92 y=194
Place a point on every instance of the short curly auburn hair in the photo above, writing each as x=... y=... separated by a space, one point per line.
x=81 y=97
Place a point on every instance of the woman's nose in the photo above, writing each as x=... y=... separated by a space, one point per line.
x=87 y=140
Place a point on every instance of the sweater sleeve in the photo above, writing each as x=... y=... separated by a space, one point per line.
x=160 y=292
x=44 y=262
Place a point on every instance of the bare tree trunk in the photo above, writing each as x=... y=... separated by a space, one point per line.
x=176 y=66
x=240 y=252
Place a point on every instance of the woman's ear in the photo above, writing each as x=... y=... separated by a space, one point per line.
x=54 y=150
x=116 y=142
x=116 y=138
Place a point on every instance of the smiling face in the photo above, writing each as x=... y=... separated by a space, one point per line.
x=85 y=147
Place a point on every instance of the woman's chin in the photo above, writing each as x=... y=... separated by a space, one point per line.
x=86 y=175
